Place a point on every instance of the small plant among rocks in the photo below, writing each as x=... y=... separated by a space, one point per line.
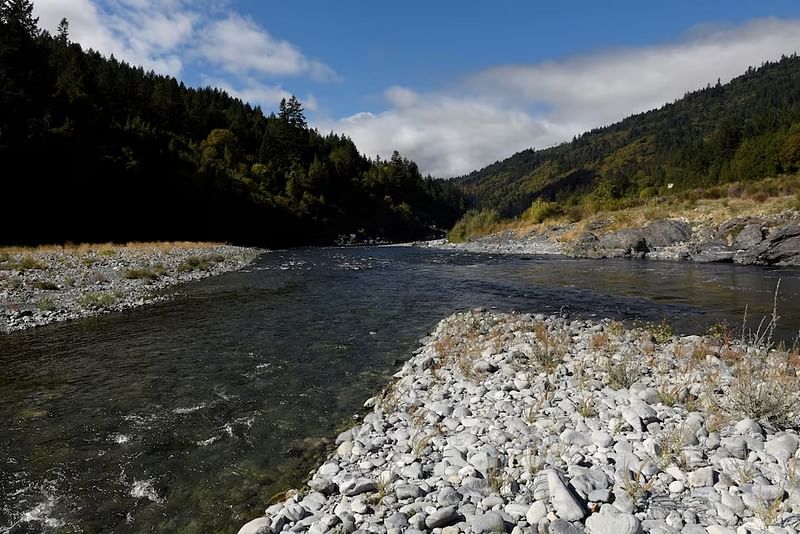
x=638 y=488
x=46 y=304
x=550 y=347
x=98 y=299
x=661 y=332
x=29 y=263
x=766 y=391
x=144 y=273
x=45 y=285
x=622 y=373
x=200 y=263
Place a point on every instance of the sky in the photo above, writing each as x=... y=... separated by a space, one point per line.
x=453 y=85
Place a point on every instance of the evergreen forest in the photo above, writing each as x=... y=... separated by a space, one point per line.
x=93 y=149
x=738 y=132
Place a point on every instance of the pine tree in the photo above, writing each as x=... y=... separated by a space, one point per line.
x=18 y=15
x=63 y=31
x=291 y=111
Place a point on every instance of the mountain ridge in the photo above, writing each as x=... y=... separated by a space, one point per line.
x=744 y=130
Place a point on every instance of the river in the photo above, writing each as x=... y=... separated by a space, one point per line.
x=188 y=415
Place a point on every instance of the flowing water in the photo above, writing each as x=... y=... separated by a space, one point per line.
x=186 y=416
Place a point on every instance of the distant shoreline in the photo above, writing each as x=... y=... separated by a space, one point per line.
x=46 y=285
x=768 y=240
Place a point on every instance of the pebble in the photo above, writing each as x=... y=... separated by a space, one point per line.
x=80 y=273
x=488 y=522
x=612 y=524
x=496 y=444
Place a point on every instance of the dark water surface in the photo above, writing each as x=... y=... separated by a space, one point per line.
x=187 y=416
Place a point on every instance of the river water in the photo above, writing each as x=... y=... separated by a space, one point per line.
x=187 y=416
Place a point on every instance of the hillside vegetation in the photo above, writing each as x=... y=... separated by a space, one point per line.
x=100 y=150
x=716 y=142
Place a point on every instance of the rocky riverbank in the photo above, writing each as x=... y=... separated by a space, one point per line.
x=520 y=423
x=750 y=240
x=39 y=287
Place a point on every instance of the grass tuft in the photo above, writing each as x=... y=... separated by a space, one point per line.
x=98 y=299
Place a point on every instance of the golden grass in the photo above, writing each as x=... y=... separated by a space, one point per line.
x=84 y=248
x=704 y=211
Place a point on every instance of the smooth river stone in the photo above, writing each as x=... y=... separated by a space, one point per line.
x=261 y=525
x=613 y=524
x=567 y=504
x=442 y=517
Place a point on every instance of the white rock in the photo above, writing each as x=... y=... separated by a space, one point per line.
x=261 y=525
x=677 y=487
x=536 y=512
x=566 y=503
x=613 y=524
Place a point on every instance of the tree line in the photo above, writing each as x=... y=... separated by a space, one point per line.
x=742 y=131
x=95 y=149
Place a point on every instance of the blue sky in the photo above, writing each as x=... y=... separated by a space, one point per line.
x=453 y=85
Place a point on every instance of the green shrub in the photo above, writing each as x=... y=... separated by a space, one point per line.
x=474 y=223
x=200 y=263
x=98 y=299
x=144 y=273
x=46 y=304
x=541 y=210
x=27 y=263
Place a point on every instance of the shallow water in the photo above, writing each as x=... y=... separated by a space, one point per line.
x=187 y=416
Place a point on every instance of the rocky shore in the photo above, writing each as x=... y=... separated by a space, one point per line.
x=752 y=240
x=41 y=287
x=520 y=423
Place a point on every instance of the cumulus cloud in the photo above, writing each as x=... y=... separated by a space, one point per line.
x=248 y=90
x=239 y=45
x=141 y=32
x=504 y=109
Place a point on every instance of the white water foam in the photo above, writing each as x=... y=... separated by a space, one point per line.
x=190 y=409
x=41 y=513
x=120 y=438
x=143 y=489
x=229 y=429
x=206 y=442
x=224 y=396
x=246 y=421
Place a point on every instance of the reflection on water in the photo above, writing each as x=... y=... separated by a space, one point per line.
x=188 y=415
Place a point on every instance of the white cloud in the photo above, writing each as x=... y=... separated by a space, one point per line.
x=252 y=91
x=401 y=97
x=238 y=45
x=504 y=109
x=443 y=133
x=165 y=35
x=142 y=32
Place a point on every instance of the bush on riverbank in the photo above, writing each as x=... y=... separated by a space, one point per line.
x=474 y=223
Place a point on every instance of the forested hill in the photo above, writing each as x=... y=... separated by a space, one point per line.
x=744 y=130
x=94 y=149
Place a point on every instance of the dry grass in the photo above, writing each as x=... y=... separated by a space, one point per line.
x=637 y=487
x=599 y=342
x=766 y=390
x=769 y=513
x=623 y=372
x=671 y=447
x=737 y=202
x=550 y=348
